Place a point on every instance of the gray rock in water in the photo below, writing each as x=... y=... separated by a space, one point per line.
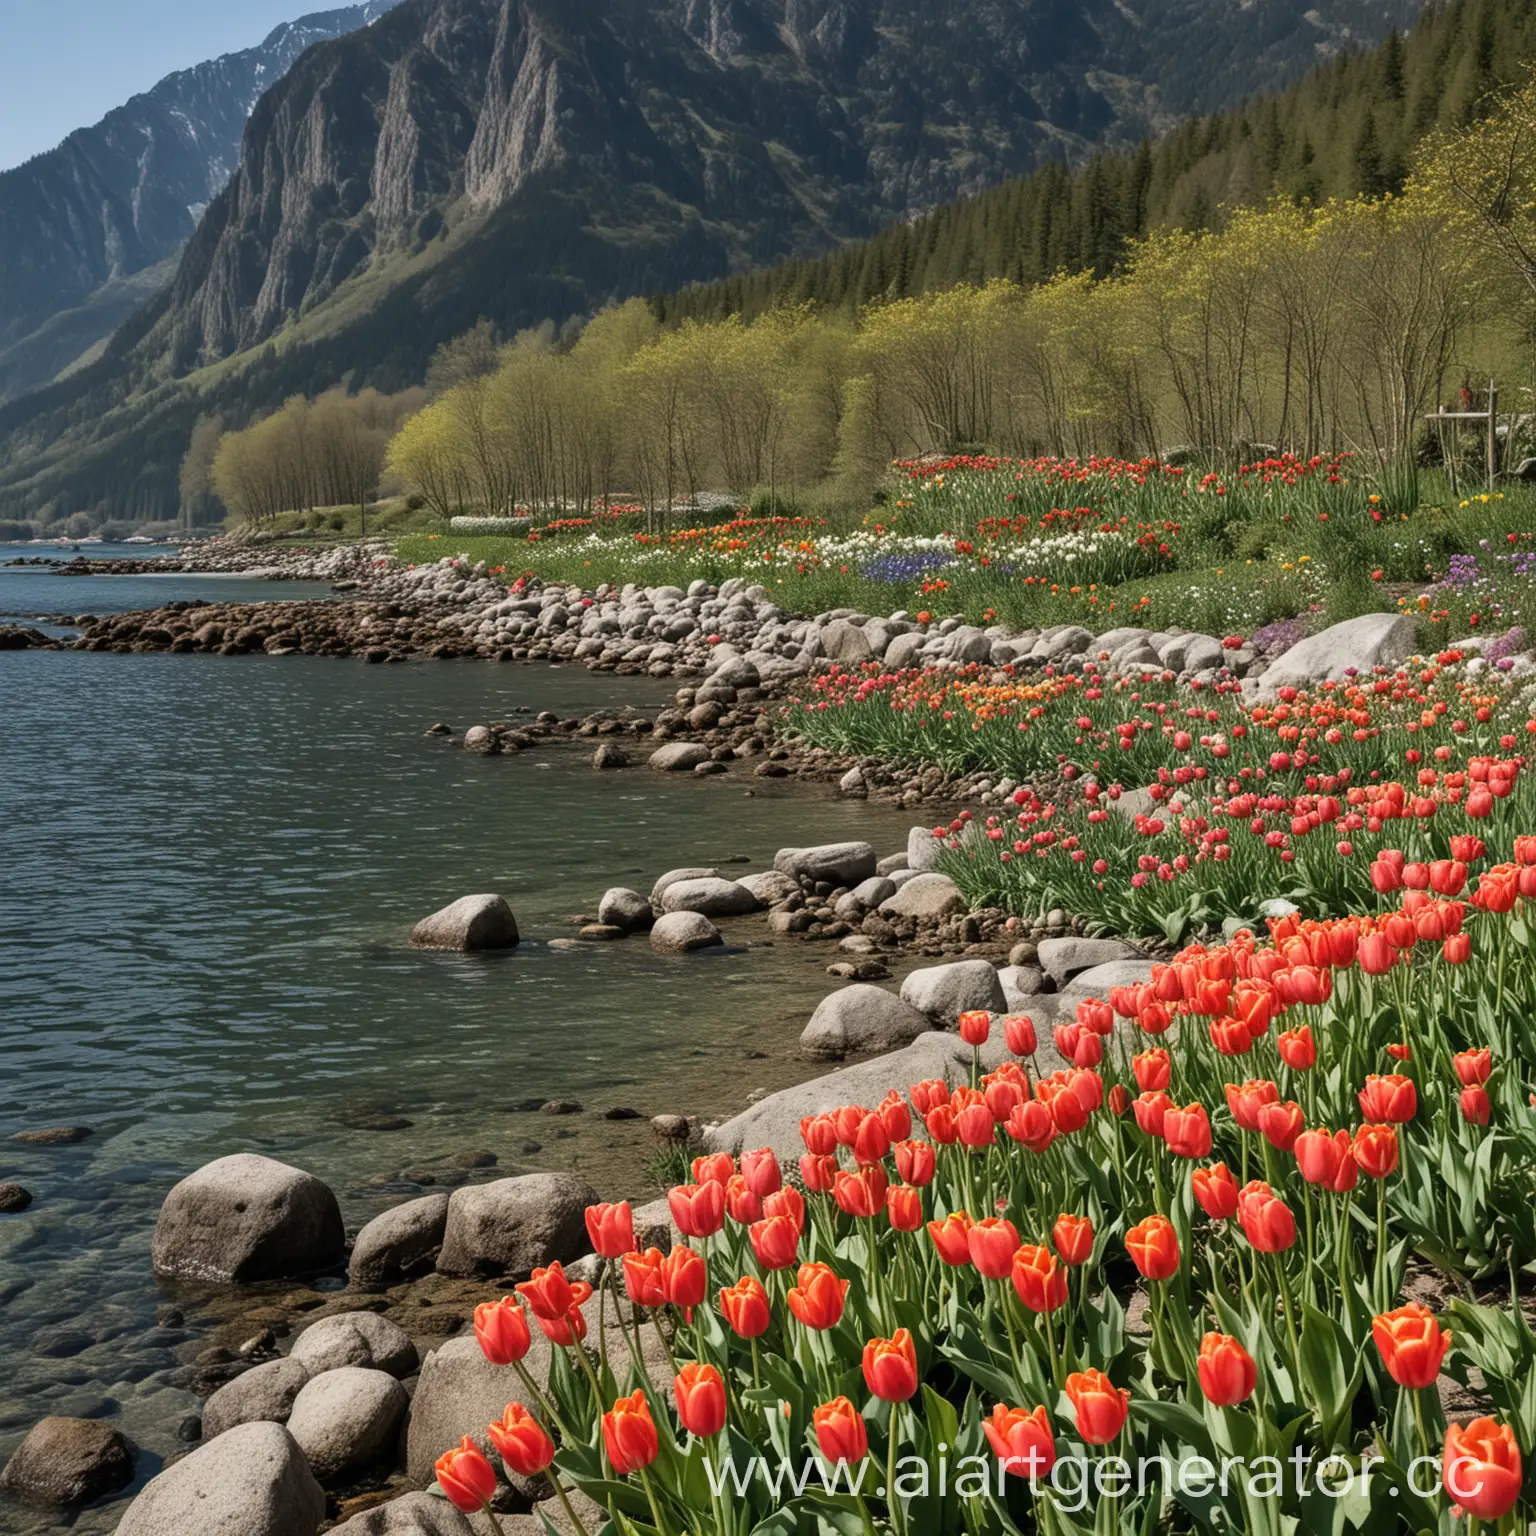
x=481 y=739
x=852 y=783
x=672 y=877
x=263 y=1394
x=348 y=1420
x=253 y=1481
x=836 y=863
x=1373 y=639
x=247 y=1217
x=610 y=756
x=928 y=895
x=871 y=892
x=54 y=1136
x=397 y=1241
x=861 y=1018
x=944 y=992
x=711 y=897
x=415 y=1514
x=470 y=924
x=64 y=1462
x=770 y=887
x=680 y=932
x=14 y=1198
x=679 y=757
x=1062 y=959
x=626 y=909
x=512 y=1226
x=355 y=1338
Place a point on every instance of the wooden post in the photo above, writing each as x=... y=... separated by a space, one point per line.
x=1493 y=434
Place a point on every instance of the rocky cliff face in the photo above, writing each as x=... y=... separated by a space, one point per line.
x=582 y=149
x=81 y=224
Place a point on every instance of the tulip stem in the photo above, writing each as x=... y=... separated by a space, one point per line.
x=890 y=1470
x=565 y=1504
x=490 y=1515
x=545 y=1407
x=1382 y=1302
x=650 y=1494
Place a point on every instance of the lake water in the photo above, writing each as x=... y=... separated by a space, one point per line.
x=211 y=866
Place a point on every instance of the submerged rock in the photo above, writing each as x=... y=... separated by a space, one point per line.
x=679 y=932
x=470 y=924
x=64 y=1462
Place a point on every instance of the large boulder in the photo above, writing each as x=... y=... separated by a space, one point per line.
x=836 y=863
x=468 y=925
x=1357 y=645
x=673 y=876
x=679 y=757
x=459 y=1392
x=253 y=1481
x=415 y=1514
x=512 y=1226
x=1118 y=973
x=925 y=896
x=265 y=1393
x=679 y=932
x=397 y=1242
x=623 y=908
x=710 y=897
x=64 y=1462
x=845 y=642
x=355 y=1338
x=247 y=1217
x=1062 y=959
x=861 y=1018
x=944 y=992
x=348 y=1420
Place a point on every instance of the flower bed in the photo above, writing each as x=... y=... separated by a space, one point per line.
x=1163 y=1288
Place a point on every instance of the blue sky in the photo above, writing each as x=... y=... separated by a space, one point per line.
x=64 y=63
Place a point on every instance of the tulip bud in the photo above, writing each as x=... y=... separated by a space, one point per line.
x=1226 y=1370
x=700 y=1394
x=1154 y=1247
x=1022 y=1442
x=993 y=1243
x=1411 y=1344
x=951 y=1239
x=502 y=1329
x=890 y=1367
x=521 y=1442
x=612 y=1229
x=629 y=1435
x=840 y=1432
x=745 y=1308
x=1101 y=1407
x=816 y=1299
x=1481 y=1468
x=1073 y=1236
x=466 y=1477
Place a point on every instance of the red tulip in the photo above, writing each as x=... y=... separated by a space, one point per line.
x=1482 y=1468
x=697 y=1209
x=1391 y=1099
x=775 y=1241
x=871 y=1141
x=713 y=1168
x=951 y=1239
x=976 y=1126
x=466 y=1477
x=1473 y=1068
x=1476 y=1108
x=993 y=1243
x=861 y=1194
x=819 y=1133
x=642 y=1278
x=1101 y=1407
x=975 y=1026
x=1375 y=1150
x=1073 y=1236
x=502 y=1329
x=1226 y=1370
x=629 y=1434
x=745 y=1307
x=1245 y=1100
x=1411 y=1344
x=1319 y=1155
x=684 y=1277
x=1152 y=1069
x=895 y=1116
x=1187 y=1131
x=1297 y=1050
x=521 y=1442
x=1032 y=1125
x=787 y=1202
x=1457 y=949
x=1022 y=1442
x=761 y=1171
x=890 y=1367
x=1216 y=1190
x=1265 y=1218
x=612 y=1229
x=1019 y=1034
x=1154 y=1247
x=741 y=1205
x=817 y=1172
x=1280 y=1124
x=1151 y=1111
x=904 y=1207
x=700 y=1394
x=840 y=1432
x=817 y=1297
x=550 y=1295
x=1041 y=1282
x=914 y=1162
x=1377 y=956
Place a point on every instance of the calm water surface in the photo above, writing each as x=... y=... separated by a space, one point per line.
x=210 y=869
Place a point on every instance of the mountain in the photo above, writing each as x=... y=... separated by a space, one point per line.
x=1348 y=128
x=89 y=230
x=530 y=160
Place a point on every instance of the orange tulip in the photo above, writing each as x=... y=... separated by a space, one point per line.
x=1154 y=1247
x=1073 y=1236
x=1039 y=1280
x=914 y=1162
x=1482 y=1468
x=1100 y=1405
x=975 y=1026
x=700 y=1394
x=1375 y=1149
x=1319 y=1155
x=1473 y=1068
x=861 y=1194
x=840 y=1431
x=1153 y=1069
x=993 y=1243
x=713 y=1168
x=1226 y=1370
x=761 y=1171
x=1411 y=1344
x=629 y=1434
x=466 y=1477
x=1019 y=1032
x=1266 y=1219
x=1297 y=1050
x=787 y=1202
x=1390 y=1099
x=951 y=1238
x=1187 y=1131
x=904 y=1206
x=890 y=1367
x=817 y=1296
x=551 y=1295
x=745 y=1306
x=684 y=1276
x=521 y=1442
x=1022 y=1442
x=1280 y=1124
x=775 y=1242
x=698 y=1209
x=612 y=1229
x=1216 y=1190
x=502 y=1329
